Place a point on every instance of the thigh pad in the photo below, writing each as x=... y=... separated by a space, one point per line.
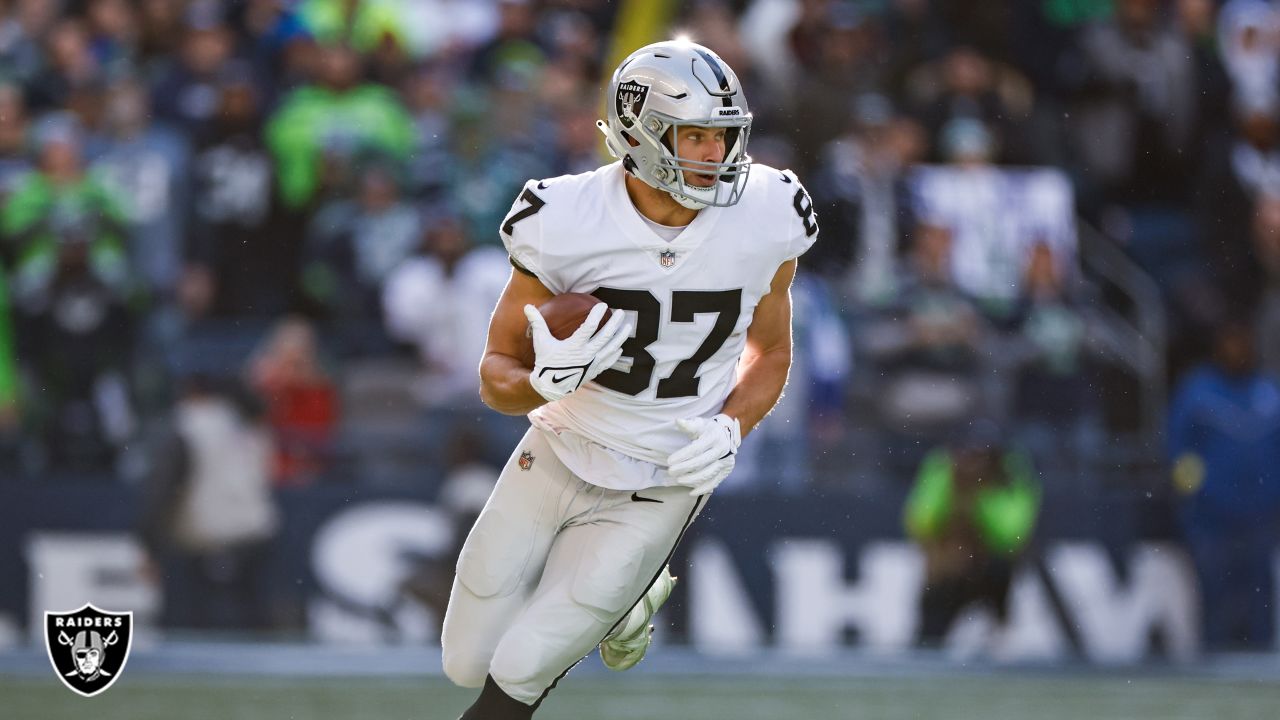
x=608 y=576
x=496 y=554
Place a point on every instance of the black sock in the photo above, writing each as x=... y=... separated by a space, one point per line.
x=494 y=704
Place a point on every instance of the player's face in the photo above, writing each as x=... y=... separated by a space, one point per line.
x=700 y=144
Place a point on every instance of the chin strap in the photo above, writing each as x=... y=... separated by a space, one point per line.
x=689 y=202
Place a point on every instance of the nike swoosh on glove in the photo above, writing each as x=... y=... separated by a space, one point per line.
x=708 y=458
x=562 y=366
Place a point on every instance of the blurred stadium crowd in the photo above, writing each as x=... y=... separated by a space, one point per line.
x=265 y=230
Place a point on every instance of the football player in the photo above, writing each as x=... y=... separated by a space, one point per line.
x=637 y=420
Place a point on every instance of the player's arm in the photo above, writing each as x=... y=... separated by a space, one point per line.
x=504 y=378
x=762 y=373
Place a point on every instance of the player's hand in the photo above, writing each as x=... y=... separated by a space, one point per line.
x=708 y=458
x=562 y=366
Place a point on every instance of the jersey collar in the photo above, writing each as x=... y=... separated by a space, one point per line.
x=631 y=224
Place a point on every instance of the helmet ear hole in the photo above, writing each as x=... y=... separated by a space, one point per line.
x=630 y=140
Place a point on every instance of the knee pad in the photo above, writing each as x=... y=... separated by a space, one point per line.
x=606 y=581
x=464 y=669
x=496 y=553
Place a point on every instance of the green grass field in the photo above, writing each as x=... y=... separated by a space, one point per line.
x=986 y=697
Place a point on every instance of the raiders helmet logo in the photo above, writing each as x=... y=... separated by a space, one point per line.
x=630 y=101
x=526 y=460
x=88 y=647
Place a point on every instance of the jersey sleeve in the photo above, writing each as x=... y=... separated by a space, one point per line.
x=521 y=233
x=802 y=218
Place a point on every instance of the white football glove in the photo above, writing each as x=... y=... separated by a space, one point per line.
x=562 y=366
x=708 y=459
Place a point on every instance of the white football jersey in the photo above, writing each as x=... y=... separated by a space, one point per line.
x=689 y=302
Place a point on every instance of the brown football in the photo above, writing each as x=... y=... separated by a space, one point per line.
x=564 y=313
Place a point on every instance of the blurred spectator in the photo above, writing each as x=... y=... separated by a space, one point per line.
x=500 y=140
x=113 y=30
x=1224 y=442
x=965 y=84
x=849 y=63
x=75 y=338
x=440 y=301
x=60 y=203
x=925 y=349
x=365 y=25
x=159 y=34
x=14 y=162
x=22 y=26
x=1249 y=41
x=186 y=94
x=915 y=35
x=149 y=166
x=1136 y=107
x=1054 y=405
x=973 y=511
x=514 y=47
x=320 y=129
x=279 y=45
x=301 y=401
x=809 y=27
x=1196 y=21
x=864 y=201
x=429 y=96
x=1238 y=198
x=437 y=28
x=573 y=66
x=243 y=259
x=578 y=140
x=208 y=517
x=352 y=248
x=70 y=65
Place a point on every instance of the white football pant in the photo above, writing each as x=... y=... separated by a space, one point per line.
x=551 y=565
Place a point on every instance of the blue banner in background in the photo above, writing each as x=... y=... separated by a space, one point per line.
x=1105 y=579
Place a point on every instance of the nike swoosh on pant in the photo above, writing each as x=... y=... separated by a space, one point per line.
x=635 y=497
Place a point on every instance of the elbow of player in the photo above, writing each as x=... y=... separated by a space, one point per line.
x=488 y=397
x=495 y=401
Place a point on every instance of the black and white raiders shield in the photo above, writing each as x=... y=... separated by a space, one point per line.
x=630 y=101
x=88 y=647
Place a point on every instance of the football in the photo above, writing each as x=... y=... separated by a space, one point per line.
x=564 y=313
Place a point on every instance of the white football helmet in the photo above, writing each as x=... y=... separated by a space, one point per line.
x=668 y=85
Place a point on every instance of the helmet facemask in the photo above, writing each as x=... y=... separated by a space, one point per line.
x=668 y=173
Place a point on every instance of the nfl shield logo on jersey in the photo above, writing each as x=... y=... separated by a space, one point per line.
x=526 y=460
x=667 y=258
x=88 y=647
